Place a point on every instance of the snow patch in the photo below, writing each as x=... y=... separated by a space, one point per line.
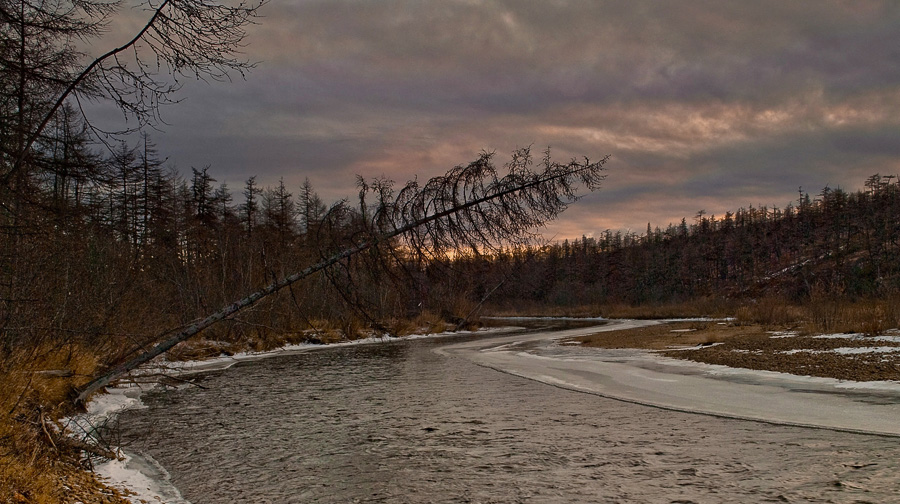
x=843 y=350
x=783 y=334
x=839 y=336
x=862 y=350
x=103 y=409
x=142 y=477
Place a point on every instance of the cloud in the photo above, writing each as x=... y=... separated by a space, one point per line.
x=702 y=104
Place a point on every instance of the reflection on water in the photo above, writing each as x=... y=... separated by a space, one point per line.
x=399 y=423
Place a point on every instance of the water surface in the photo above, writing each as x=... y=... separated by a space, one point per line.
x=398 y=422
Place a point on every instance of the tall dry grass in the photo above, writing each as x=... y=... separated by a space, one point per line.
x=867 y=316
x=822 y=314
x=37 y=464
x=711 y=307
x=817 y=315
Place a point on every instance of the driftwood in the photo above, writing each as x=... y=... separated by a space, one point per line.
x=56 y=373
x=469 y=206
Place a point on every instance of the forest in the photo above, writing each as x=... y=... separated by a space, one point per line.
x=835 y=248
x=115 y=250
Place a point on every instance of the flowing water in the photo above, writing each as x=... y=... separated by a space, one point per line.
x=398 y=422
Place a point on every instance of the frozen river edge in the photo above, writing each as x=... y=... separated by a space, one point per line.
x=646 y=378
x=635 y=376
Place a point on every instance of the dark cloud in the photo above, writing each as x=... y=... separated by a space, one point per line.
x=703 y=104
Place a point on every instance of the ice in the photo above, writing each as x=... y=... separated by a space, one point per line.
x=862 y=350
x=648 y=378
x=102 y=409
x=142 y=477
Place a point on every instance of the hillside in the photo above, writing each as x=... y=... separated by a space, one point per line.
x=835 y=247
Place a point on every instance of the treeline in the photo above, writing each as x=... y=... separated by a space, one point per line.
x=111 y=250
x=835 y=245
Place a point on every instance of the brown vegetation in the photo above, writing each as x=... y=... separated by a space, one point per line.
x=37 y=463
x=754 y=346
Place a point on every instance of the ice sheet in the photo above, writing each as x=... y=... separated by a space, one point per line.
x=647 y=378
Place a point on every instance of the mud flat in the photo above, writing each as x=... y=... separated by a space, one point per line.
x=854 y=357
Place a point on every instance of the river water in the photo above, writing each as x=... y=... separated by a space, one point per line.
x=400 y=422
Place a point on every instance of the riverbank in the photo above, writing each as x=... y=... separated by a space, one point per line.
x=126 y=479
x=841 y=356
x=854 y=356
x=41 y=450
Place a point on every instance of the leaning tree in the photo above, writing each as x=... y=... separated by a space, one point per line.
x=475 y=206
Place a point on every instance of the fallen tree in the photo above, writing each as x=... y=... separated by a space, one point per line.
x=471 y=207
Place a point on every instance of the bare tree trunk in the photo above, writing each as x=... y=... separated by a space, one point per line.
x=520 y=201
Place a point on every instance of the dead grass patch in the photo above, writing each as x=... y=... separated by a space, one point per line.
x=36 y=464
x=754 y=347
x=668 y=335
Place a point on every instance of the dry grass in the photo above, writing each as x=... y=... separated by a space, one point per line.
x=664 y=336
x=36 y=464
x=537 y=310
x=771 y=313
x=425 y=323
x=820 y=314
x=870 y=316
x=824 y=315
x=704 y=307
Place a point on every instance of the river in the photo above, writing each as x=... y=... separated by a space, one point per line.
x=415 y=421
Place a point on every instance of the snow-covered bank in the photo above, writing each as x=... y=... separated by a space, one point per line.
x=142 y=479
x=136 y=475
x=226 y=361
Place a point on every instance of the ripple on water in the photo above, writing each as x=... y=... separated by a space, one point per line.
x=400 y=423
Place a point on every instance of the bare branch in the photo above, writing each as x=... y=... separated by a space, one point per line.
x=196 y=38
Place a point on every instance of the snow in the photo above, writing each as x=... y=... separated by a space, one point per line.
x=783 y=334
x=144 y=479
x=839 y=336
x=140 y=476
x=102 y=409
x=862 y=350
x=589 y=319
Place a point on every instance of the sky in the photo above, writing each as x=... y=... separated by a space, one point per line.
x=702 y=105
